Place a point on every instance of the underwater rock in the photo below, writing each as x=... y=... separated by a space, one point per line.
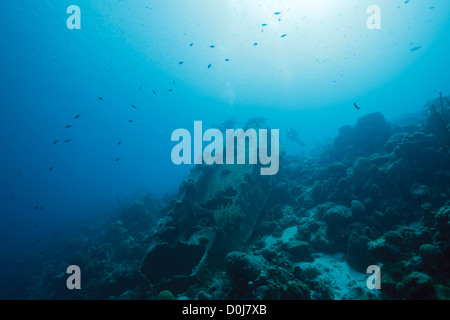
x=430 y=254
x=291 y=290
x=128 y=295
x=421 y=193
x=335 y=216
x=381 y=250
x=358 y=255
x=367 y=137
x=320 y=241
x=165 y=295
x=207 y=222
x=242 y=267
x=300 y=250
x=358 y=209
x=418 y=286
x=269 y=254
x=442 y=223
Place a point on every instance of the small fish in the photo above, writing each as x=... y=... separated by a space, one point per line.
x=209 y=66
x=227 y=59
x=100 y=98
x=154 y=92
x=415 y=48
x=117 y=159
x=264 y=24
x=35 y=226
x=51 y=168
x=68 y=126
x=170 y=90
x=212 y=46
x=133 y=106
x=119 y=143
x=42 y=252
x=255 y=44
x=140 y=88
x=348 y=277
x=42 y=208
x=36 y=208
x=356 y=106
x=77 y=116
x=38 y=240
x=180 y=63
x=277 y=13
x=173 y=81
x=67 y=141
x=130 y=121
x=55 y=142
x=191 y=44
x=284 y=35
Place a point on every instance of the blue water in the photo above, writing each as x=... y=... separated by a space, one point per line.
x=307 y=80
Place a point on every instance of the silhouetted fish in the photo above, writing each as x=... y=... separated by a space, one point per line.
x=255 y=44
x=140 y=88
x=130 y=121
x=415 y=48
x=36 y=208
x=212 y=46
x=227 y=59
x=55 y=142
x=67 y=141
x=154 y=92
x=191 y=44
x=356 y=106
x=51 y=168
x=68 y=126
x=170 y=90
x=119 y=143
x=173 y=81
x=181 y=62
x=100 y=98
x=284 y=35
x=133 y=106
x=264 y=24
x=42 y=252
x=209 y=66
x=77 y=116
x=117 y=159
x=277 y=13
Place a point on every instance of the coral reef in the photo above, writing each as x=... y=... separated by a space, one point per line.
x=378 y=195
